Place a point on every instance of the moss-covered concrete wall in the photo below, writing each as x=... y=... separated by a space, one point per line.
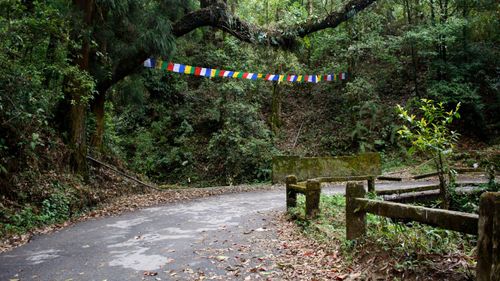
x=365 y=164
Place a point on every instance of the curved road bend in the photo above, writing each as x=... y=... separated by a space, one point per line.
x=203 y=238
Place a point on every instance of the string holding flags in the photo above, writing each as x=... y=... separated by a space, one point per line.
x=213 y=72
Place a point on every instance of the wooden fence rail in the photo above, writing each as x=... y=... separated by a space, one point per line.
x=486 y=225
x=311 y=190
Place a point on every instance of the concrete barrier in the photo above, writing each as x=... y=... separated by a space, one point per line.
x=365 y=164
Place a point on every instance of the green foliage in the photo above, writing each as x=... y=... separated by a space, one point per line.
x=184 y=129
x=242 y=150
x=430 y=133
x=415 y=242
x=59 y=206
x=22 y=221
x=328 y=224
x=55 y=208
x=34 y=49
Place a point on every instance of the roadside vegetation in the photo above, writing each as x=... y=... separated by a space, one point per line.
x=72 y=85
x=391 y=250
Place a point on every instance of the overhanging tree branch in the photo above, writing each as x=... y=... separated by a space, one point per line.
x=219 y=16
x=215 y=13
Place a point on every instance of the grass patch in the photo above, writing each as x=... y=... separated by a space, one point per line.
x=401 y=250
x=415 y=165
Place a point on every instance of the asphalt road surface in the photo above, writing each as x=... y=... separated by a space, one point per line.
x=203 y=239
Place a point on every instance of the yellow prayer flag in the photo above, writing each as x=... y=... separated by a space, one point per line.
x=158 y=64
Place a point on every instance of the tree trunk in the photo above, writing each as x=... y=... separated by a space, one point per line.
x=276 y=109
x=96 y=141
x=76 y=113
x=443 y=182
x=310 y=8
x=443 y=11
x=267 y=13
x=77 y=133
x=465 y=14
x=412 y=48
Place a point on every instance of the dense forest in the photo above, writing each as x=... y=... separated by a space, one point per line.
x=72 y=85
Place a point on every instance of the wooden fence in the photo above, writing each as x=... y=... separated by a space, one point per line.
x=490 y=172
x=486 y=225
x=312 y=190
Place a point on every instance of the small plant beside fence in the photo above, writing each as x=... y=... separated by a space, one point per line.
x=486 y=225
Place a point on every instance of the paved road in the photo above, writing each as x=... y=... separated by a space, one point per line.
x=207 y=237
x=172 y=240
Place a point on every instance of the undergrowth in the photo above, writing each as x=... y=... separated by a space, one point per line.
x=49 y=199
x=404 y=248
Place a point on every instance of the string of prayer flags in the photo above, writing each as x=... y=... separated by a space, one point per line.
x=212 y=72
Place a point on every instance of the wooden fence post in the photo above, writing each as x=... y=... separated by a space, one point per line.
x=313 y=192
x=495 y=267
x=488 y=251
x=291 y=195
x=490 y=172
x=355 y=220
x=371 y=184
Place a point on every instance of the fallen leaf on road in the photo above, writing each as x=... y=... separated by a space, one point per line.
x=150 y=273
x=221 y=258
x=341 y=277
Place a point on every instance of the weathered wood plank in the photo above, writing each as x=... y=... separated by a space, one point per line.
x=355 y=221
x=495 y=266
x=344 y=178
x=452 y=220
x=291 y=194
x=389 y=178
x=423 y=176
x=313 y=193
x=488 y=261
x=298 y=188
x=407 y=190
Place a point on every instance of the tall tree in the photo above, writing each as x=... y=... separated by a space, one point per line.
x=213 y=13
x=76 y=104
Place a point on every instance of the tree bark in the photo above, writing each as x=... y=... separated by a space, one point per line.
x=310 y=8
x=276 y=109
x=74 y=95
x=77 y=132
x=443 y=182
x=412 y=47
x=96 y=141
